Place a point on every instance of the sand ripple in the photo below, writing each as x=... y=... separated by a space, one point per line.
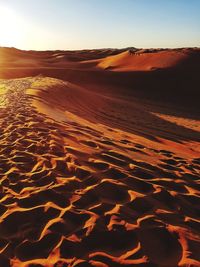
x=71 y=195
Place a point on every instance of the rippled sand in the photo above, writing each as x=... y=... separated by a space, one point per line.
x=79 y=187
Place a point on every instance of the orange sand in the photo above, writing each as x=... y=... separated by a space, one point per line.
x=95 y=172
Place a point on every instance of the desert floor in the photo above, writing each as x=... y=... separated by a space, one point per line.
x=99 y=158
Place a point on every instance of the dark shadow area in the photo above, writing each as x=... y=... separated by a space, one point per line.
x=124 y=115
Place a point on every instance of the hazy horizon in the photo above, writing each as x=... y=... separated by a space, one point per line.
x=77 y=25
x=100 y=48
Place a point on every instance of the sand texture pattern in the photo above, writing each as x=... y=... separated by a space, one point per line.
x=91 y=176
x=73 y=196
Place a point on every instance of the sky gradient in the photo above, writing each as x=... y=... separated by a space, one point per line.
x=80 y=24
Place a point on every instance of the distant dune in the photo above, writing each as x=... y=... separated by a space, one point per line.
x=100 y=158
x=143 y=61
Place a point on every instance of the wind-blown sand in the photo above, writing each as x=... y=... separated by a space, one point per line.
x=96 y=167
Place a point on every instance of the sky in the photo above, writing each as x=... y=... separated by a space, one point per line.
x=87 y=24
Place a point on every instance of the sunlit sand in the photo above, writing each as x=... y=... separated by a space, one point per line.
x=99 y=158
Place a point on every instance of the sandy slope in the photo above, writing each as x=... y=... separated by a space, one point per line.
x=94 y=177
x=75 y=191
x=161 y=75
x=129 y=61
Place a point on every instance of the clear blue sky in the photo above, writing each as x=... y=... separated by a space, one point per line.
x=78 y=24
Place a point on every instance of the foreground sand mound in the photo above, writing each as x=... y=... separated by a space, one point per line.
x=78 y=191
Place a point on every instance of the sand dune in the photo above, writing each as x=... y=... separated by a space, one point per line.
x=91 y=175
x=128 y=61
x=169 y=75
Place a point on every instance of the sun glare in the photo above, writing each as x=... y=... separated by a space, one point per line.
x=11 y=28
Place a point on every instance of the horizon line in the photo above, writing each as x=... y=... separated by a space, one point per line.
x=102 y=48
